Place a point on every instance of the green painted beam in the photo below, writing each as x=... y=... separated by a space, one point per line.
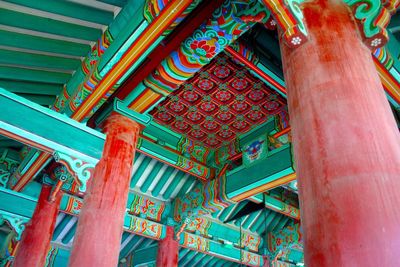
x=277 y=205
x=258 y=131
x=21 y=87
x=145 y=256
x=277 y=164
x=17 y=203
x=9 y=57
x=224 y=232
x=224 y=251
x=46 y=25
x=10 y=143
x=48 y=129
x=44 y=100
x=51 y=131
x=69 y=9
x=22 y=74
x=25 y=41
x=24 y=205
x=119 y=3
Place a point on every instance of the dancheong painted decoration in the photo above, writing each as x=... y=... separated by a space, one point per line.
x=223 y=133
x=220 y=102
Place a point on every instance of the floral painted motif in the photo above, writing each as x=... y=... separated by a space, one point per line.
x=222 y=72
x=256 y=95
x=190 y=96
x=208 y=106
x=239 y=83
x=205 y=84
x=164 y=116
x=181 y=125
x=176 y=106
x=205 y=47
x=199 y=108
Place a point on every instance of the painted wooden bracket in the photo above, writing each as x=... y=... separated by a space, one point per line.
x=17 y=223
x=289 y=17
x=281 y=242
x=372 y=17
x=80 y=169
x=215 y=248
x=7 y=167
x=201 y=200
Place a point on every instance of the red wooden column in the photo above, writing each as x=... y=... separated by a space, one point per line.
x=35 y=240
x=98 y=237
x=167 y=255
x=346 y=144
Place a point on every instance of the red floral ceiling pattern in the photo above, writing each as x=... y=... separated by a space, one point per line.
x=221 y=101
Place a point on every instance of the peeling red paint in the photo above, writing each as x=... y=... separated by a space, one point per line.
x=99 y=231
x=167 y=255
x=346 y=144
x=35 y=240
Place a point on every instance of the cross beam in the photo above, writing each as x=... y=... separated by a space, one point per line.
x=49 y=131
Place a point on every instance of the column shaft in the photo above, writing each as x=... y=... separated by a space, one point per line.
x=98 y=237
x=167 y=255
x=35 y=240
x=346 y=144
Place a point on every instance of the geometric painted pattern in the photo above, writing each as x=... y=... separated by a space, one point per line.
x=220 y=102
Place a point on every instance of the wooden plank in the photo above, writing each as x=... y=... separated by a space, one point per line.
x=45 y=100
x=16 y=73
x=69 y=9
x=25 y=41
x=35 y=60
x=46 y=25
x=31 y=88
x=247 y=180
x=46 y=128
x=119 y=3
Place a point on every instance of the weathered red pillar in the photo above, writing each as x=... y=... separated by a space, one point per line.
x=346 y=144
x=35 y=240
x=167 y=255
x=98 y=237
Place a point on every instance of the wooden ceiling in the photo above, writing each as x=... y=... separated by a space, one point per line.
x=43 y=42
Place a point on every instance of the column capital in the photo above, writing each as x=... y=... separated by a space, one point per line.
x=79 y=169
x=120 y=123
x=372 y=17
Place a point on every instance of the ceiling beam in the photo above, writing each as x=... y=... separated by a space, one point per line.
x=21 y=87
x=51 y=26
x=218 y=250
x=24 y=206
x=48 y=45
x=69 y=9
x=9 y=57
x=48 y=130
x=31 y=75
x=51 y=132
x=247 y=181
x=145 y=255
x=44 y=100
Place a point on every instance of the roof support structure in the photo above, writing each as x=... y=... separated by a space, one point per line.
x=56 y=134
